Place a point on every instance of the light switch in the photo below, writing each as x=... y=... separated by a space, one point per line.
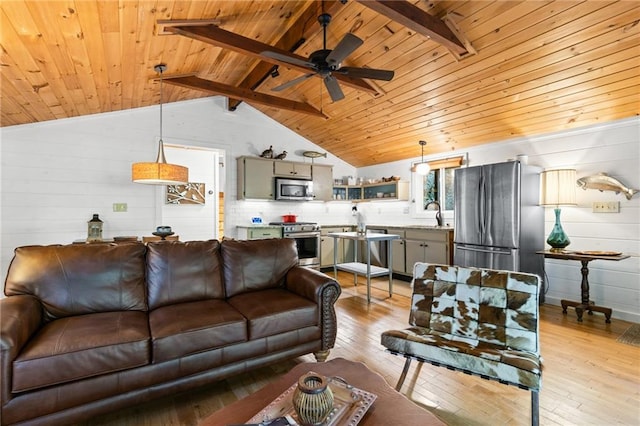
x=119 y=207
x=606 y=206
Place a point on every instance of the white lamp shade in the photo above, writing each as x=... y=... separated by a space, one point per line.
x=422 y=168
x=558 y=187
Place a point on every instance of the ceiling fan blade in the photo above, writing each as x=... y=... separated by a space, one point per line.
x=289 y=59
x=372 y=73
x=292 y=82
x=333 y=88
x=348 y=44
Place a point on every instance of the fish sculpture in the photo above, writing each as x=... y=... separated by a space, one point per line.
x=604 y=182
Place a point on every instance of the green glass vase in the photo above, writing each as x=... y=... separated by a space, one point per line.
x=557 y=239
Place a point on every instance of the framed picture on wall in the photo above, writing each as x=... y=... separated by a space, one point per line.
x=191 y=193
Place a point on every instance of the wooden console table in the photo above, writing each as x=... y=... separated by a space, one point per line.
x=584 y=258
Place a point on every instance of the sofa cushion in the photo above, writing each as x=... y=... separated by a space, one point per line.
x=274 y=311
x=179 y=272
x=79 y=279
x=78 y=347
x=188 y=328
x=257 y=264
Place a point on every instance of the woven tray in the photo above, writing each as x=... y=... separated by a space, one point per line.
x=349 y=405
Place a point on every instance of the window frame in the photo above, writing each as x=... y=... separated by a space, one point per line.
x=417 y=182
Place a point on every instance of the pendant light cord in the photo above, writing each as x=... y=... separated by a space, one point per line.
x=161 y=158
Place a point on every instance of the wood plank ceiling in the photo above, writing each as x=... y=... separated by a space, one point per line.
x=534 y=66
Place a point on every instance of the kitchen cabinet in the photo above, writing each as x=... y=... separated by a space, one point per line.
x=292 y=169
x=255 y=178
x=347 y=192
x=322 y=182
x=397 y=190
x=427 y=245
x=345 y=247
x=259 y=232
x=398 y=251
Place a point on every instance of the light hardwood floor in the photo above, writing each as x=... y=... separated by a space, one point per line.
x=588 y=378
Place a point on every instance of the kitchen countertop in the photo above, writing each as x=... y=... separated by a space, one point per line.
x=374 y=226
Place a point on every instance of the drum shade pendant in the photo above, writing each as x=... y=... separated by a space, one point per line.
x=422 y=168
x=160 y=172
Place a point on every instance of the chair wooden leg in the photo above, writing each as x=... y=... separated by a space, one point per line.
x=535 y=408
x=403 y=375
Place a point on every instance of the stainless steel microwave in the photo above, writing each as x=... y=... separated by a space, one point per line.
x=294 y=189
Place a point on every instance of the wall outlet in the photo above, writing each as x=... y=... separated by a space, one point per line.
x=606 y=206
x=119 y=207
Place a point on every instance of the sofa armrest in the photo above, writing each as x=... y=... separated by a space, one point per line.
x=324 y=291
x=309 y=283
x=20 y=318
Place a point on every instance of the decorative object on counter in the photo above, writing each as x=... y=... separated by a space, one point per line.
x=422 y=168
x=391 y=179
x=438 y=213
x=256 y=220
x=312 y=399
x=289 y=218
x=191 y=193
x=558 y=189
x=604 y=182
x=267 y=153
x=94 y=229
x=160 y=172
x=281 y=156
x=163 y=232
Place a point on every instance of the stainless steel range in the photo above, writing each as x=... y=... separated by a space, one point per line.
x=307 y=236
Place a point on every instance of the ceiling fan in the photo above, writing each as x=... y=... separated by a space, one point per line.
x=326 y=62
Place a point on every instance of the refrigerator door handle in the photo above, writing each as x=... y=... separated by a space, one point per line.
x=493 y=251
x=481 y=207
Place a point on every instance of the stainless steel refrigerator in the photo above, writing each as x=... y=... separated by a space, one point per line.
x=498 y=221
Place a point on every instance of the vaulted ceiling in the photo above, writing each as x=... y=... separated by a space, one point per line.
x=466 y=72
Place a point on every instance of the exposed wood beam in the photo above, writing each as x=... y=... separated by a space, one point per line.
x=418 y=20
x=197 y=83
x=304 y=27
x=222 y=38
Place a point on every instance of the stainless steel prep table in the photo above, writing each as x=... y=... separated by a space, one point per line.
x=359 y=268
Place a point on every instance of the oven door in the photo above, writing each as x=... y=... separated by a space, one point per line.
x=308 y=245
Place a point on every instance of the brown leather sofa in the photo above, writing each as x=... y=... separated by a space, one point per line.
x=87 y=329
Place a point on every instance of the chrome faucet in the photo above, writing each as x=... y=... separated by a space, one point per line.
x=438 y=213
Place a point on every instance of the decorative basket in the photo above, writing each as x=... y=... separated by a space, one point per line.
x=312 y=400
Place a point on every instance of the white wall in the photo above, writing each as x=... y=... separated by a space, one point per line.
x=613 y=148
x=56 y=174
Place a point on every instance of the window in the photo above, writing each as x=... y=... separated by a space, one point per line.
x=437 y=185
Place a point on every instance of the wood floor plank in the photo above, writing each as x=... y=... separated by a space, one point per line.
x=588 y=377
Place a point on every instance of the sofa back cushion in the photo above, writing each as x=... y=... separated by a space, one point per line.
x=80 y=279
x=257 y=264
x=179 y=272
x=479 y=305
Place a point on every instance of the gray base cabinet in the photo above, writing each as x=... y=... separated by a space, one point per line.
x=432 y=246
x=345 y=248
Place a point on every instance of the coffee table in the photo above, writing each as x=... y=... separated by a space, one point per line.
x=390 y=408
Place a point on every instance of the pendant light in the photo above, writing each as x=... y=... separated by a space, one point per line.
x=160 y=172
x=422 y=168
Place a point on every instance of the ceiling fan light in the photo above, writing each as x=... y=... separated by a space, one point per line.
x=422 y=168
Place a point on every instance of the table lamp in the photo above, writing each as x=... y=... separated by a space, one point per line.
x=558 y=189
